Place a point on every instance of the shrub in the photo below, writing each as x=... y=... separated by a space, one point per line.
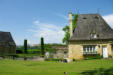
x=25 y=46
x=63 y=60
x=19 y=51
x=110 y=56
x=42 y=46
x=53 y=59
x=94 y=56
x=73 y=59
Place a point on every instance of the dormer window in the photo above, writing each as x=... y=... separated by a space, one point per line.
x=94 y=35
x=84 y=17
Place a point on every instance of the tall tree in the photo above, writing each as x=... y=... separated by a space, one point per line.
x=66 y=29
x=25 y=46
x=42 y=46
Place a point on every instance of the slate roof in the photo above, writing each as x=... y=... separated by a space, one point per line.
x=6 y=37
x=91 y=23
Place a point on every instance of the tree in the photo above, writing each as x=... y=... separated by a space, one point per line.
x=66 y=29
x=25 y=46
x=42 y=47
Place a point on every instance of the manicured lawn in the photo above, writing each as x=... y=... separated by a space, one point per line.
x=19 y=67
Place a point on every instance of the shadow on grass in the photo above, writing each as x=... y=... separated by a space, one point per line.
x=100 y=71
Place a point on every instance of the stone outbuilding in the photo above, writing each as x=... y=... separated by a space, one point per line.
x=91 y=36
x=7 y=44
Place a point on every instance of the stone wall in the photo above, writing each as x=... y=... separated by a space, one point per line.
x=76 y=48
x=75 y=51
x=61 y=52
x=10 y=50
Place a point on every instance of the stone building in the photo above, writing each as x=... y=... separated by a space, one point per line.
x=7 y=44
x=61 y=52
x=91 y=36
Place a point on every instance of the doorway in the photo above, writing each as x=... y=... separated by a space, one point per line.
x=104 y=52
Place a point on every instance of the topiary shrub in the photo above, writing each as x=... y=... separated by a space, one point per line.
x=25 y=46
x=42 y=47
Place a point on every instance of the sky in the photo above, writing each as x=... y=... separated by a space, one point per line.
x=32 y=19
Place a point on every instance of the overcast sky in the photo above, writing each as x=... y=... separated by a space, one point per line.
x=32 y=19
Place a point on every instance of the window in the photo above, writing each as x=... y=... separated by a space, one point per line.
x=89 y=49
x=93 y=35
x=84 y=17
x=65 y=52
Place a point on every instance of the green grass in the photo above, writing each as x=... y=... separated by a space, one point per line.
x=19 y=67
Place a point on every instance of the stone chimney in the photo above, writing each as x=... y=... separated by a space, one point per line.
x=70 y=24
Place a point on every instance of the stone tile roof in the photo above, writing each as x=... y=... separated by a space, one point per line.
x=6 y=37
x=88 y=24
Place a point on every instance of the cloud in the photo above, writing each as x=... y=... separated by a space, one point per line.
x=51 y=33
x=109 y=19
x=36 y=22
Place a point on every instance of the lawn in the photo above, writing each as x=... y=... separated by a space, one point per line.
x=19 y=67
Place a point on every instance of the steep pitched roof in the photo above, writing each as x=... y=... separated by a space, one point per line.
x=6 y=37
x=91 y=23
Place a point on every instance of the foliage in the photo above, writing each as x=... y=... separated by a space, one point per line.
x=48 y=47
x=42 y=47
x=28 y=46
x=18 y=67
x=29 y=51
x=19 y=51
x=27 y=55
x=19 y=47
x=33 y=51
x=53 y=59
x=36 y=50
x=66 y=29
x=74 y=21
x=95 y=56
x=25 y=46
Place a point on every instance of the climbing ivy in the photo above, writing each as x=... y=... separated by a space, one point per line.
x=74 y=21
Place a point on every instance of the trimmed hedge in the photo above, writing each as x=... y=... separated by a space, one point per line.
x=63 y=60
x=92 y=56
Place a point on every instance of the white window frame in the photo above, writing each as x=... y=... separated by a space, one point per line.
x=89 y=49
x=93 y=35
